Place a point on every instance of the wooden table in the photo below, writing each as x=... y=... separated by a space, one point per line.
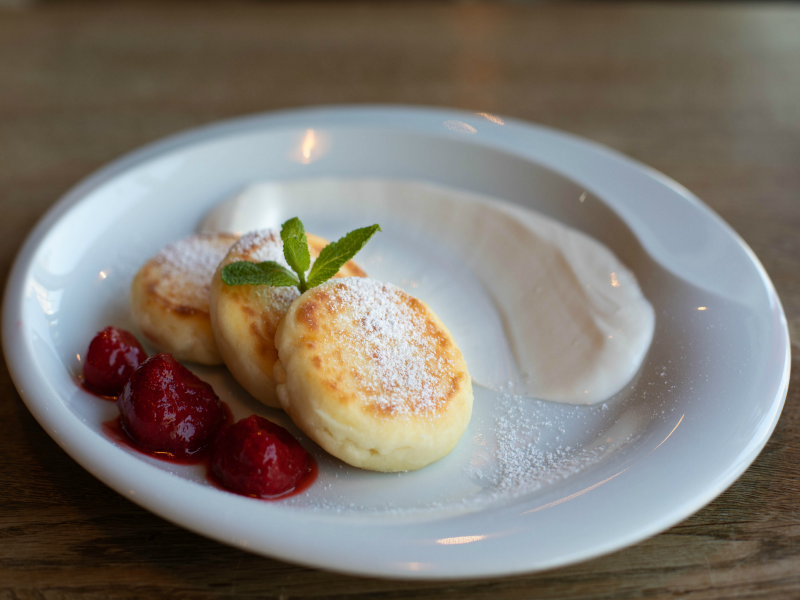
x=709 y=94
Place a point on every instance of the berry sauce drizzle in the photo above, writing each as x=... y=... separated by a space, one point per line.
x=113 y=430
x=88 y=390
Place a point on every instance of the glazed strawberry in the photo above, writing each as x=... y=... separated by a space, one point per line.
x=112 y=356
x=256 y=457
x=164 y=407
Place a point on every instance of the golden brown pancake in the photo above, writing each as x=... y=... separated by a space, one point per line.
x=372 y=375
x=245 y=317
x=170 y=297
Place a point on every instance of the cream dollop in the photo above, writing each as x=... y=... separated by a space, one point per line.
x=574 y=316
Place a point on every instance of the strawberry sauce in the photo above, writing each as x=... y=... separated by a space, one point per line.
x=96 y=394
x=113 y=430
x=169 y=413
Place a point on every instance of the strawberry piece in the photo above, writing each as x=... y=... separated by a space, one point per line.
x=256 y=457
x=112 y=356
x=167 y=408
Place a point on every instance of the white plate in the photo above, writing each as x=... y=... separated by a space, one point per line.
x=703 y=405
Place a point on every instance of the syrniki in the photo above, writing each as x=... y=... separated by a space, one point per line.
x=170 y=296
x=372 y=375
x=245 y=317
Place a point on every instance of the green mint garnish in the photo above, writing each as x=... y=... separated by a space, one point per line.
x=295 y=249
x=263 y=273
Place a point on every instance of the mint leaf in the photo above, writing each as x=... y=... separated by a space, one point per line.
x=263 y=273
x=295 y=249
x=335 y=255
x=293 y=228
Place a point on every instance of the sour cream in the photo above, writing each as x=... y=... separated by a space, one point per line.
x=574 y=317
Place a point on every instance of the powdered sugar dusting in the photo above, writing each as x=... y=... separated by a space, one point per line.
x=279 y=298
x=195 y=257
x=185 y=268
x=260 y=246
x=522 y=463
x=404 y=374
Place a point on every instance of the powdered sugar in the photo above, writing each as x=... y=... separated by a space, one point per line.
x=185 y=268
x=278 y=298
x=405 y=373
x=260 y=246
x=523 y=461
x=195 y=257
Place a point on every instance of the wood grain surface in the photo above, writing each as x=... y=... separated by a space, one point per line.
x=707 y=93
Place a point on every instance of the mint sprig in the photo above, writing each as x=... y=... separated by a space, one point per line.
x=295 y=249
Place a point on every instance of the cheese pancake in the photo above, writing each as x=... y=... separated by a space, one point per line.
x=372 y=375
x=245 y=317
x=170 y=297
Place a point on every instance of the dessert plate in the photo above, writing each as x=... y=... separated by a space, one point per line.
x=532 y=485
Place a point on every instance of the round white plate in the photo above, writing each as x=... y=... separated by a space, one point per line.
x=531 y=485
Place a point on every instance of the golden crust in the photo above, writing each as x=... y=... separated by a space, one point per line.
x=170 y=297
x=245 y=318
x=374 y=377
